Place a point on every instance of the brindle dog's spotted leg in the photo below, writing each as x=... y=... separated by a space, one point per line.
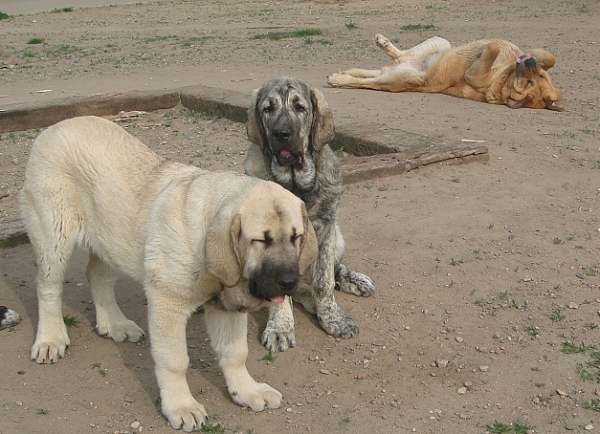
x=331 y=316
x=279 y=333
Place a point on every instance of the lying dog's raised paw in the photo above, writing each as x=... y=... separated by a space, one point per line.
x=8 y=318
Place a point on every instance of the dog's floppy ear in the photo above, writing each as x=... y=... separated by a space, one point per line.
x=322 y=126
x=254 y=125
x=309 y=250
x=222 y=250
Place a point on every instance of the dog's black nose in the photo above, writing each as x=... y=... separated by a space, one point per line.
x=287 y=282
x=282 y=134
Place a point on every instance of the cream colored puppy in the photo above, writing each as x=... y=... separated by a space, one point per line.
x=226 y=241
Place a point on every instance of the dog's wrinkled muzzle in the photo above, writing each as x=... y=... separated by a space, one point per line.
x=274 y=288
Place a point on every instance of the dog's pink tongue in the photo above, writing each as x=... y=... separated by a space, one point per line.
x=285 y=152
x=278 y=299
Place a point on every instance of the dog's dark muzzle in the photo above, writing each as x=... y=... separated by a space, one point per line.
x=273 y=285
x=284 y=147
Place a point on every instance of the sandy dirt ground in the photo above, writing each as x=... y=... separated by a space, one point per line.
x=486 y=313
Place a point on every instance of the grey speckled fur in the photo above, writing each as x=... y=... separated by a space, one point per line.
x=290 y=114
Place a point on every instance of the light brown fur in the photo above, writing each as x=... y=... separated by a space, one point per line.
x=226 y=241
x=493 y=71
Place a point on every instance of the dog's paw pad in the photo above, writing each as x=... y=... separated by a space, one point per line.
x=8 y=318
x=187 y=418
x=353 y=282
x=277 y=341
x=122 y=331
x=258 y=397
x=338 y=324
x=381 y=40
x=46 y=352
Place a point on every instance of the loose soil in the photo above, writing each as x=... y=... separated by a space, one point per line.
x=485 y=317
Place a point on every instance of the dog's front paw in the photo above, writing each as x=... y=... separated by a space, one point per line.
x=336 y=322
x=353 y=282
x=278 y=337
x=257 y=396
x=120 y=330
x=8 y=318
x=48 y=349
x=188 y=414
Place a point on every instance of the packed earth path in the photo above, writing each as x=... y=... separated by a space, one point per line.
x=486 y=312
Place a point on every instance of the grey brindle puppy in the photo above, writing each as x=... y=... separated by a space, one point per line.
x=290 y=127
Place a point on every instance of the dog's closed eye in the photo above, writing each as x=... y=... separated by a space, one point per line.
x=267 y=240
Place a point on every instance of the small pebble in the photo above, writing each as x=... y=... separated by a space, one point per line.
x=573 y=305
x=441 y=363
x=135 y=425
x=324 y=371
x=461 y=390
x=484 y=368
x=459 y=339
x=589 y=427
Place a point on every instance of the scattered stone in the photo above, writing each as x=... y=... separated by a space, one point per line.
x=361 y=376
x=394 y=404
x=562 y=392
x=459 y=339
x=573 y=305
x=484 y=368
x=135 y=425
x=589 y=427
x=461 y=390
x=324 y=371
x=441 y=363
x=19 y=403
x=15 y=161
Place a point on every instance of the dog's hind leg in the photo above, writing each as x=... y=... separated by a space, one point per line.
x=353 y=282
x=110 y=320
x=347 y=280
x=416 y=54
x=399 y=78
x=52 y=230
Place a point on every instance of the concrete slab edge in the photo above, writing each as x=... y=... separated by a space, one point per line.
x=225 y=103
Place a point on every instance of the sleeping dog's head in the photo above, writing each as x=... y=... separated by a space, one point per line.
x=260 y=252
x=531 y=86
x=290 y=120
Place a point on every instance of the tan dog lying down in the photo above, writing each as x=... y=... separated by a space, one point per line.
x=223 y=240
x=494 y=71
